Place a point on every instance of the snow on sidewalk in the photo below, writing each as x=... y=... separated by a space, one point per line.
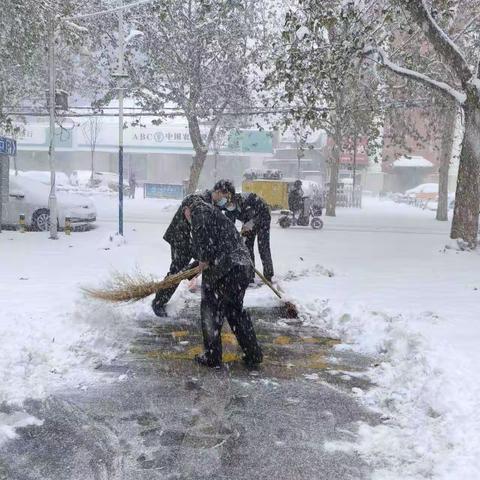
x=51 y=336
x=379 y=278
x=415 y=305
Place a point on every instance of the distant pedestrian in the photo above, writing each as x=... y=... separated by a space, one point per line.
x=295 y=199
x=132 y=183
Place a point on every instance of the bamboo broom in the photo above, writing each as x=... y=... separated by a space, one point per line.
x=124 y=287
x=291 y=310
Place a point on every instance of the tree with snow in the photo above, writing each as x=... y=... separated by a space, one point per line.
x=196 y=56
x=23 y=26
x=460 y=84
x=321 y=78
x=91 y=130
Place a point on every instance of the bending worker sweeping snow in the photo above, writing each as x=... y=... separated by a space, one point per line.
x=179 y=238
x=226 y=267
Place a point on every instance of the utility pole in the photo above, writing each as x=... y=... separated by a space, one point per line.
x=52 y=199
x=354 y=197
x=120 y=75
x=215 y=157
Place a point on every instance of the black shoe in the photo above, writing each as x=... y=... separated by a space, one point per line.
x=253 y=362
x=205 y=362
x=159 y=309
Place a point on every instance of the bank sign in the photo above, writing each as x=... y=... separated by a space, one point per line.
x=160 y=136
x=103 y=137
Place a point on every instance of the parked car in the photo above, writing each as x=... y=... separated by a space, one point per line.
x=43 y=176
x=422 y=194
x=30 y=198
x=428 y=188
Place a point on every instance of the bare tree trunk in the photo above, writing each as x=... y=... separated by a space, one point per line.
x=201 y=151
x=196 y=170
x=448 y=132
x=467 y=198
x=334 y=166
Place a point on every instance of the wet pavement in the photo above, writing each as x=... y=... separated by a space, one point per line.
x=167 y=418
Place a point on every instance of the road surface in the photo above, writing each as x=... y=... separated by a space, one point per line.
x=167 y=418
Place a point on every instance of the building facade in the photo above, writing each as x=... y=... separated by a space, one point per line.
x=154 y=153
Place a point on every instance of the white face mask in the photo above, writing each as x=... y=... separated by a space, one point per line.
x=231 y=207
x=222 y=202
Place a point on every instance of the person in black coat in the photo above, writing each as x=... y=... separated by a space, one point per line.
x=178 y=237
x=295 y=199
x=254 y=213
x=226 y=271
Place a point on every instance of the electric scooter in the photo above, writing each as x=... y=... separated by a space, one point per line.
x=310 y=214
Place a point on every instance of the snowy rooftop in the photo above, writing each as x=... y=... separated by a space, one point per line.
x=413 y=161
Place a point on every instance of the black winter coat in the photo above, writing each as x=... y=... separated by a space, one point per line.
x=249 y=206
x=295 y=200
x=216 y=240
x=178 y=232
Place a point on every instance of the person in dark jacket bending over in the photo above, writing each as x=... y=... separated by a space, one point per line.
x=178 y=237
x=254 y=213
x=226 y=271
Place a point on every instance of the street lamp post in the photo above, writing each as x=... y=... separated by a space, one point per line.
x=120 y=75
x=52 y=198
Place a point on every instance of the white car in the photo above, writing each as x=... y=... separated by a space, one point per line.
x=43 y=176
x=30 y=198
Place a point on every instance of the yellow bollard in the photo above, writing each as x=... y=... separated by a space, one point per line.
x=68 y=226
x=21 y=223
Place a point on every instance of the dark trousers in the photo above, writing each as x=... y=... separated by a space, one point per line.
x=222 y=300
x=262 y=231
x=180 y=260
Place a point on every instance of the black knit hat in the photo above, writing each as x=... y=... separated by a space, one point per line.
x=191 y=200
x=225 y=186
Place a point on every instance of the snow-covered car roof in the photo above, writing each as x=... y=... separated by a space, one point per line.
x=42 y=176
x=38 y=192
x=424 y=188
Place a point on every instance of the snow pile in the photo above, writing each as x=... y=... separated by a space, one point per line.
x=109 y=329
x=45 y=352
x=113 y=239
x=13 y=420
x=314 y=271
x=48 y=351
x=429 y=408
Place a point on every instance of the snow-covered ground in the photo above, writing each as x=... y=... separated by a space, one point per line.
x=395 y=292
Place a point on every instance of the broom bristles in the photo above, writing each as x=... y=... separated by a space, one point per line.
x=124 y=287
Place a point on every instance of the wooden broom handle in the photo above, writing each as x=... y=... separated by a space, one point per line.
x=267 y=283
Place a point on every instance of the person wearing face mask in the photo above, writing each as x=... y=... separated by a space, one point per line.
x=226 y=270
x=254 y=214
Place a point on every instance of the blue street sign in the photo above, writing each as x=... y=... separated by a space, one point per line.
x=8 y=146
x=163 y=190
